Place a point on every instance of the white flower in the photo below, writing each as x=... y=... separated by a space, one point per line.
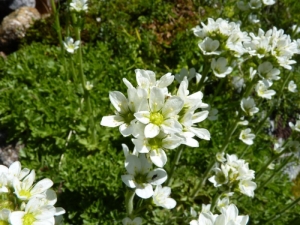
x=230 y=216
x=224 y=202
x=3 y=179
x=79 y=5
x=213 y=113
x=146 y=80
x=140 y=177
x=262 y=89
x=135 y=221
x=253 y=18
x=238 y=83
x=70 y=46
x=296 y=126
x=247 y=187
x=248 y=106
x=190 y=74
x=269 y=2
x=220 y=157
x=15 y=171
x=161 y=114
x=268 y=72
x=156 y=146
x=242 y=5
x=255 y=4
x=4 y=216
x=278 y=146
x=24 y=189
x=35 y=213
x=125 y=109
x=209 y=46
x=220 y=67
x=292 y=87
x=246 y=136
x=161 y=197
x=221 y=176
x=89 y=86
x=205 y=218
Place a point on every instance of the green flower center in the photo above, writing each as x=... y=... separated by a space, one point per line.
x=128 y=117
x=25 y=193
x=156 y=118
x=155 y=143
x=140 y=178
x=3 y=222
x=28 y=219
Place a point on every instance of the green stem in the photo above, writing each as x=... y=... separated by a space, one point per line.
x=86 y=92
x=175 y=164
x=231 y=132
x=73 y=72
x=204 y=73
x=57 y=26
x=129 y=202
x=201 y=183
x=214 y=201
x=58 y=30
x=276 y=172
x=275 y=217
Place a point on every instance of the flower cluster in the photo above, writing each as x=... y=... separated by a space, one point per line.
x=221 y=36
x=245 y=5
x=158 y=122
x=229 y=215
x=234 y=173
x=23 y=202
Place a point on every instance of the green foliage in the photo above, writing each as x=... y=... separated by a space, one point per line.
x=41 y=105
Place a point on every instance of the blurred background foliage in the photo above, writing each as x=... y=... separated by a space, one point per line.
x=44 y=111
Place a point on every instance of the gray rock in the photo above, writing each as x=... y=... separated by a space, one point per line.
x=16 y=4
x=14 y=25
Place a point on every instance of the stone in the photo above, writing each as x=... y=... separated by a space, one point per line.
x=14 y=25
x=16 y=4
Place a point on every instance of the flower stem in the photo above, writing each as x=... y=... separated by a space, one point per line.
x=57 y=26
x=175 y=164
x=58 y=30
x=283 y=211
x=276 y=172
x=86 y=92
x=204 y=73
x=129 y=201
x=201 y=183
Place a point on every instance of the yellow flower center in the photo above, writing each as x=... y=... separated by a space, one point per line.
x=156 y=118
x=28 y=219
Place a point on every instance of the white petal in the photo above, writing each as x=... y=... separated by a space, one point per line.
x=201 y=133
x=172 y=142
x=125 y=129
x=119 y=101
x=157 y=176
x=41 y=186
x=165 y=80
x=16 y=218
x=170 y=203
x=172 y=107
x=112 y=121
x=156 y=99
x=128 y=180
x=158 y=157
x=133 y=164
x=151 y=130
x=143 y=116
x=145 y=191
x=200 y=116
